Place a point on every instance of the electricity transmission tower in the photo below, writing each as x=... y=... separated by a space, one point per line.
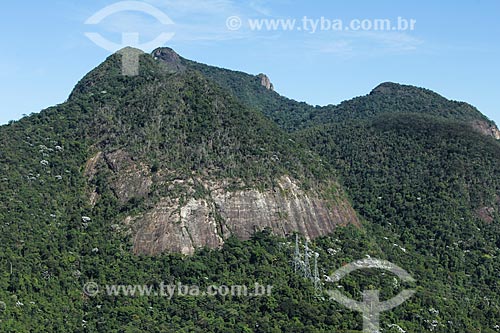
x=307 y=266
x=316 y=279
x=302 y=265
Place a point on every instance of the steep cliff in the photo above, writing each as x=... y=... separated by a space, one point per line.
x=172 y=225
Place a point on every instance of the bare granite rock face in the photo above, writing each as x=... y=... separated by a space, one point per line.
x=170 y=227
x=487 y=214
x=128 y=179
x=486 y=129
x=183 y=227
x=265 y=81
x=181 y=215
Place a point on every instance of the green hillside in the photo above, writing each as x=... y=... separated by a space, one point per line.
x=423 y=179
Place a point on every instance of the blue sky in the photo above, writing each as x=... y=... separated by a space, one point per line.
x=453 y=50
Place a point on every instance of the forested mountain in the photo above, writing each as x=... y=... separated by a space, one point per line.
x=131 y=174
x=291 y=115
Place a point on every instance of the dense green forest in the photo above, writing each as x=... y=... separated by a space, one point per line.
x=429 y=185
x=425 y=183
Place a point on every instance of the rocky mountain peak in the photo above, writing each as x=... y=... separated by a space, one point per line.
x=170 y=58
x=265 y=81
